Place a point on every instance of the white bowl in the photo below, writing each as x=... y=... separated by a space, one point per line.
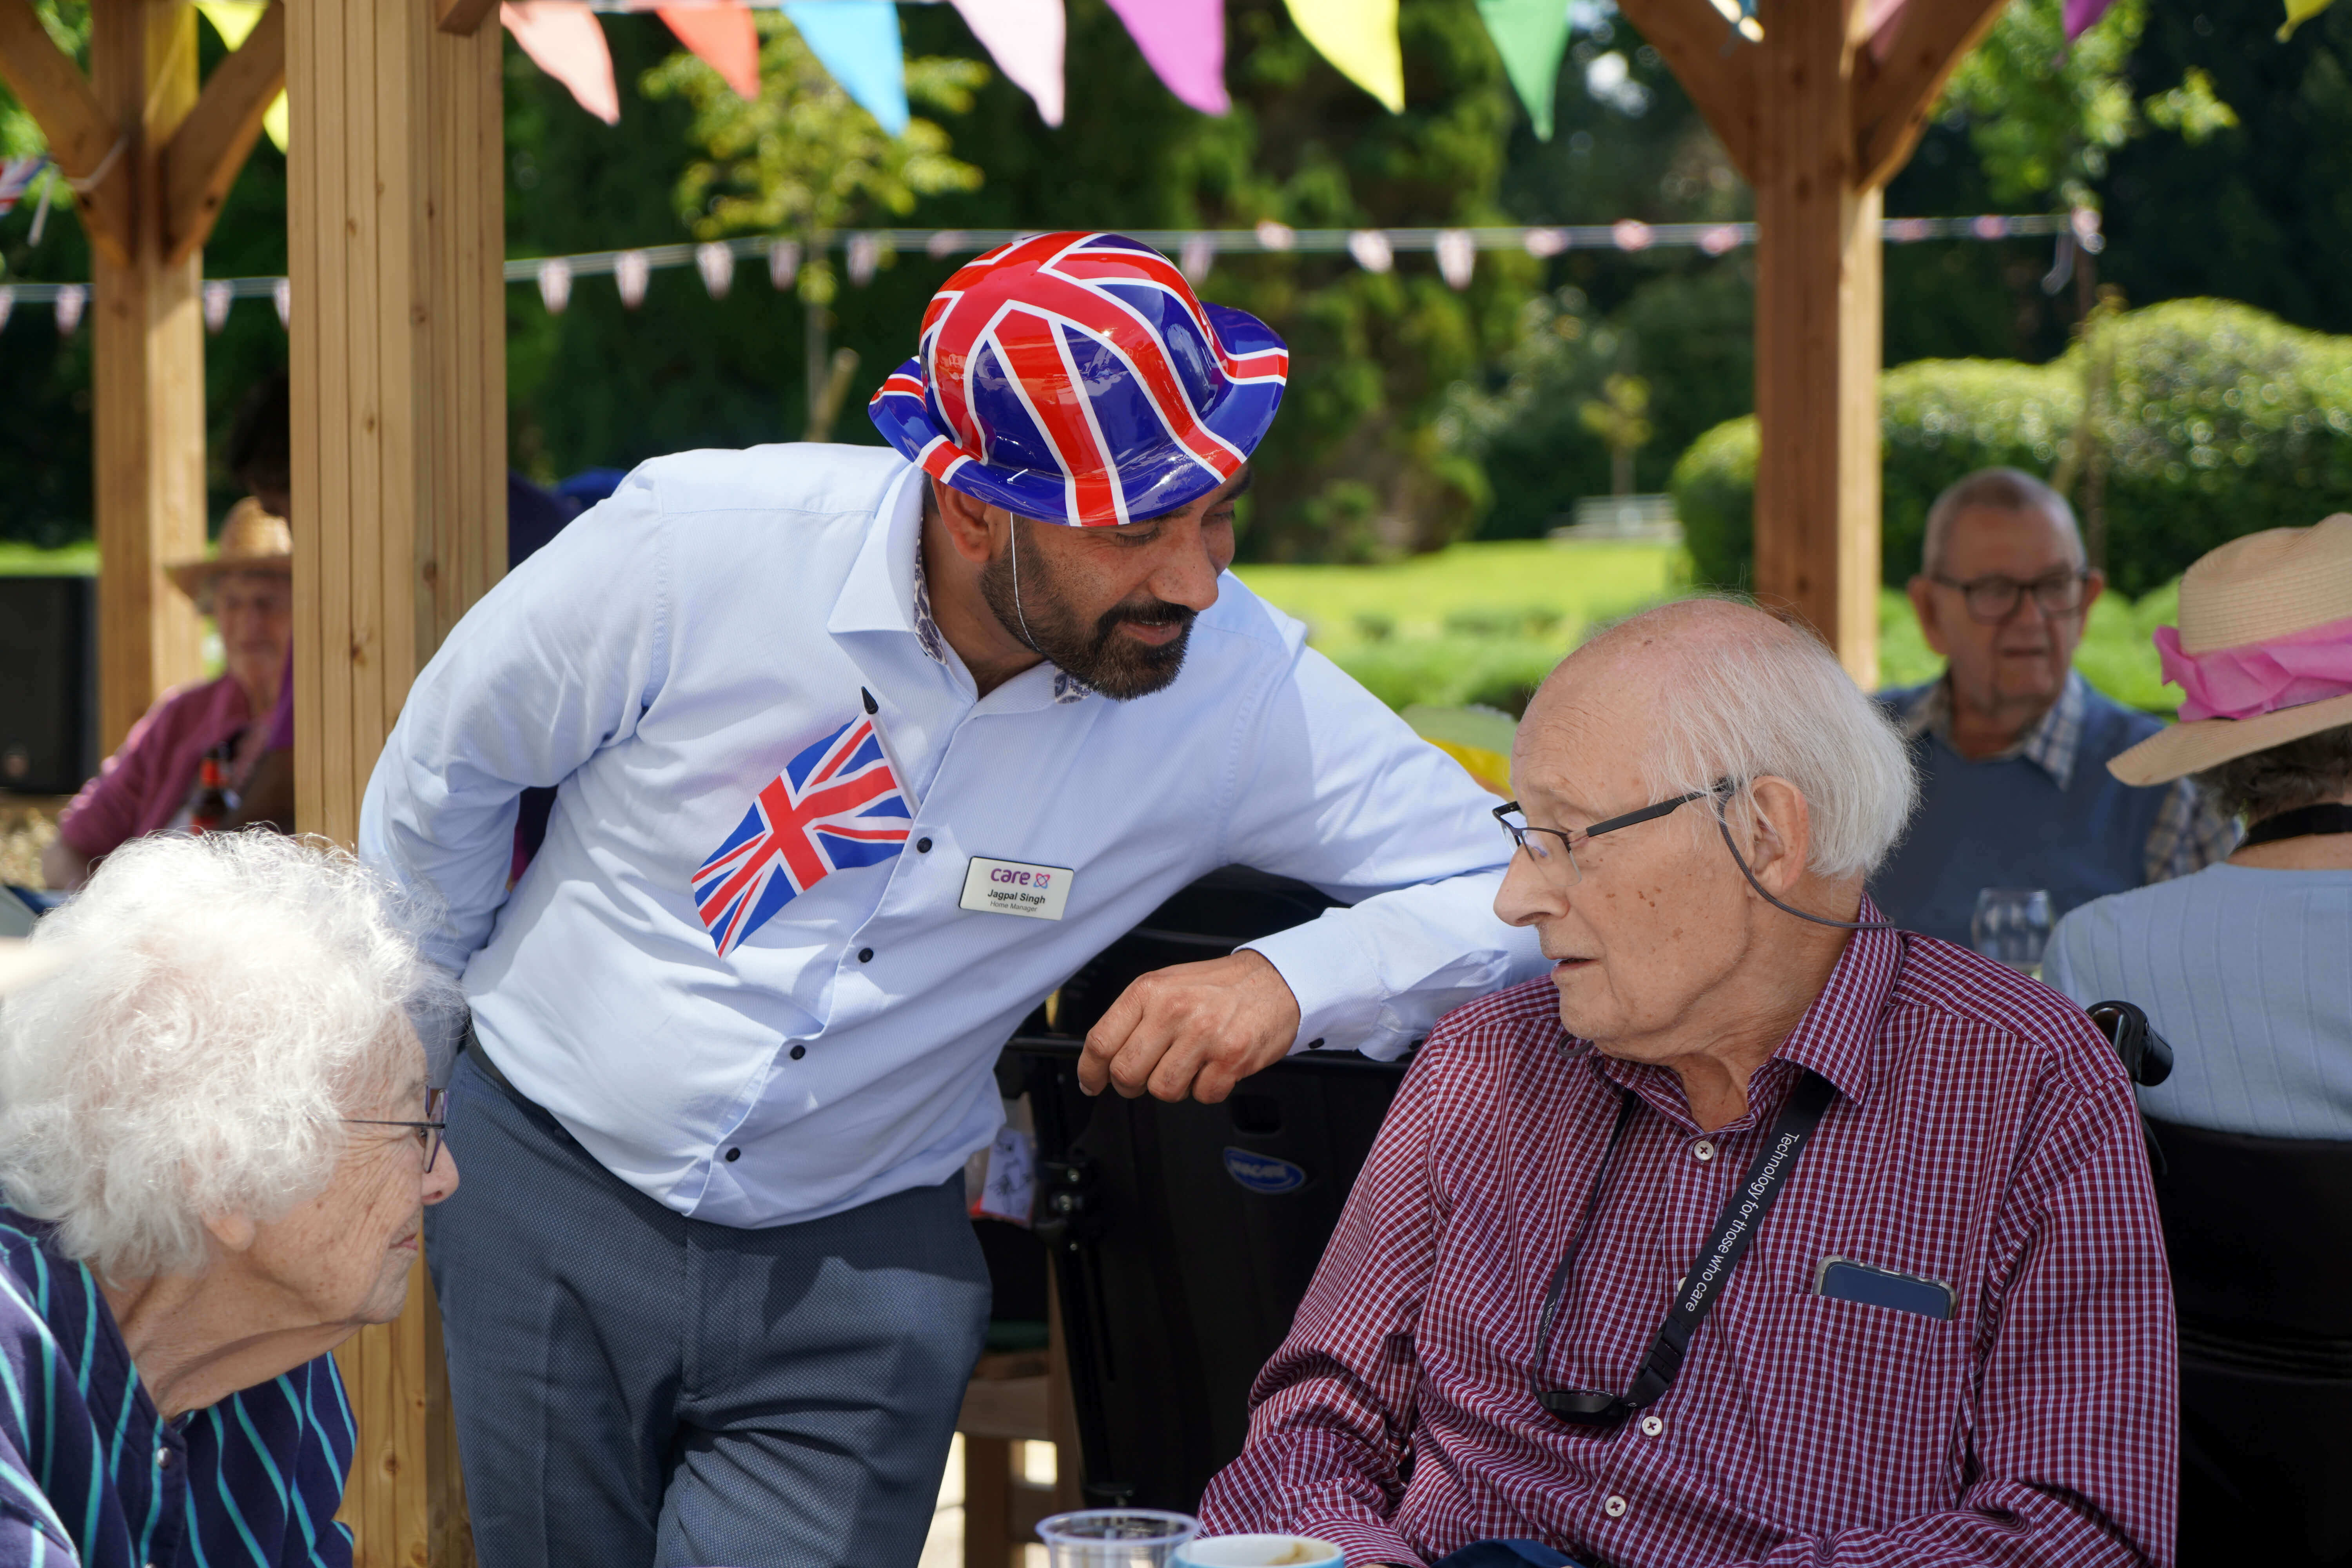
x=1261 y=1552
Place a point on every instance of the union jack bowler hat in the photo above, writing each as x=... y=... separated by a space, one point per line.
x=1076 y=378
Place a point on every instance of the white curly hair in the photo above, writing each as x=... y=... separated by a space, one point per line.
x=226 y=998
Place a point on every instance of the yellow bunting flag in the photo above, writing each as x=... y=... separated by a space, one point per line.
x=1359 y=36
x=234 y=20
x=2298 y=12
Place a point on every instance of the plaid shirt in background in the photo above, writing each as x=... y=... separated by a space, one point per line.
x=2189 y=835
x=1983 y=1136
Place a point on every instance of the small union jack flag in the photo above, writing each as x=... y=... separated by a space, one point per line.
x=1076 y=378
x=836 y=806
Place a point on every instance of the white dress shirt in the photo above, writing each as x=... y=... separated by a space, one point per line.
x=665 y=657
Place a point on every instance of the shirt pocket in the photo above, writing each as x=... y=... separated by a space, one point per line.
x=1889 y=1385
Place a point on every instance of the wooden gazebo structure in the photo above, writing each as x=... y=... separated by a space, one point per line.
x=395 y=246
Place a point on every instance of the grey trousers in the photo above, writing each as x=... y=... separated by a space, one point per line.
x=636 y=1389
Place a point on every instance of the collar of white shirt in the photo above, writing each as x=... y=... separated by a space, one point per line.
x=888 y=590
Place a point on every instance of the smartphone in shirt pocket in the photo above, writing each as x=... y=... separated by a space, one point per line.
x=1839 y=1278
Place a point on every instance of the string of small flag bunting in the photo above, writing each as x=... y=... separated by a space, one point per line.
x=1455 y=250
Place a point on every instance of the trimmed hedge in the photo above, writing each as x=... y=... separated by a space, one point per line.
x=2224 y=420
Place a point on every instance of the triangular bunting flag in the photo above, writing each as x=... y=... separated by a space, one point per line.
x=2298 y=12
x=2081 y=13
x=722 y=35
x=1530 y=36
x=1358 y=37
x=1026 y=37
x=857 y=41
x=1184 y=42
x=566 y=41
x=234 y=20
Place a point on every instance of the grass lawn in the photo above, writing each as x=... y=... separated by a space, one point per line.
x=24 y=561
x=1483 y=623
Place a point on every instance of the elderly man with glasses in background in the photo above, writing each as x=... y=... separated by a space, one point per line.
x=2011 y=742
x=1758 y=1232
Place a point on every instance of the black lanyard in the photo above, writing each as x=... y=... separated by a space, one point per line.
x=1734 y=1228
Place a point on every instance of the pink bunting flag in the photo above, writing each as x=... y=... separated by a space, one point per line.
x=723 y=37
x=555 y=284
x=630 y=271
x=784 y=262
x=1457 y=257
x=2082 y=15
x=1184 y=41
x=566 y=41
x=216 y=297
x=1026 y=37
x=7 y=302
x=281 y=294
x=716 y=262
x=67 y=305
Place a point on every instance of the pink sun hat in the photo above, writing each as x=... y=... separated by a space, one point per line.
x=2262 y=654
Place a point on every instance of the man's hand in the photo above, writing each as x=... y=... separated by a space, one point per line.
x=1196 y=1027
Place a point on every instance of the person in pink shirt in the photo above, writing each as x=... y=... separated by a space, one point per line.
x=247 y=589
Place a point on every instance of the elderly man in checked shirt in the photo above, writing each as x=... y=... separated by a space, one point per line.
x=1933 y=1328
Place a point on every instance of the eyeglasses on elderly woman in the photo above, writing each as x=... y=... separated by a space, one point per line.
x=429 y=1132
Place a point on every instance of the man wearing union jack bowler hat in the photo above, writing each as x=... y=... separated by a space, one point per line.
x=858 y=753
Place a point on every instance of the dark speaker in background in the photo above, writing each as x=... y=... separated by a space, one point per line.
x=49 y=684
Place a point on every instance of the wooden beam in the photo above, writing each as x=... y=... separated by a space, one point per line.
x=1899 y=76
x=394 y=239
x=1691 y=35
x=1818 y=326
x=147 y=373
x=463 y=17
x=211 y=144
x=84 y=139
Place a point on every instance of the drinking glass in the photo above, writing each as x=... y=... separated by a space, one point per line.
x=1116 y=1536
x=2012 y=925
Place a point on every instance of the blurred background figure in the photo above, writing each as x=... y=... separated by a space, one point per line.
x=2011 y=742
x=2246 y=967
x=184 y=764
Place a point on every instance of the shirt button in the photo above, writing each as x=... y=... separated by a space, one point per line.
x=799 y=1051
x=1614 y=1508
x=923 y=845
x=1703 y=1150
x=162 y=1459
x=1316 y=1043
x=733 y=1155
x=864 y=955
x=1652 y=1426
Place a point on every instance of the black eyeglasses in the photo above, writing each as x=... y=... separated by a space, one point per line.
x=1530 y=837
x=429 y=1132
x=1992 y=600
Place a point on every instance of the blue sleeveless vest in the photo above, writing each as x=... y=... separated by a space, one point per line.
x=2008 y=824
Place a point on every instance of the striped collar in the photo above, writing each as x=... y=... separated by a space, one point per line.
x=2052 y=744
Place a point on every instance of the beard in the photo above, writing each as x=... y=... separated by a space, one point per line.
x=1118 y=667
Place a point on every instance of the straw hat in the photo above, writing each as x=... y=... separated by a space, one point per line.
x=2265 y=636
x=250 y=541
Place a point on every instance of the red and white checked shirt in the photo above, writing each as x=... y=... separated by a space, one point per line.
x=1983 y=1135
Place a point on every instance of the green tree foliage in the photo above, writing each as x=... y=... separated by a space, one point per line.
x=2221 y=420
x=803 y=160
x=46 y=478
x=2045 y=116
x=2261 y=213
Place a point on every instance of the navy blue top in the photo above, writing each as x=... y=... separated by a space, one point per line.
x=90 y=1475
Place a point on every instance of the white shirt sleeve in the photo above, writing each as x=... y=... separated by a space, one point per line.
x=1335 y=790
x=554 y=664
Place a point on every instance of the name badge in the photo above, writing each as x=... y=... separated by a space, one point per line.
x=1011 y=888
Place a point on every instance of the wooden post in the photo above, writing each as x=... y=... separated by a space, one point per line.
x=1819 y=116
x=1817 y=334
x=147 y=371
x=398 y=371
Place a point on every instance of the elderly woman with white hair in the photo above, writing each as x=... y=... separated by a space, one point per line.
x=216 y=1146
x=1759 y=1230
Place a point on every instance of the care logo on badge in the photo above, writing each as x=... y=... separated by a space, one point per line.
x=1014 y=888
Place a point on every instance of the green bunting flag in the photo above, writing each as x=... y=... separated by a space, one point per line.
x=1531 y=36
x=2298 y=12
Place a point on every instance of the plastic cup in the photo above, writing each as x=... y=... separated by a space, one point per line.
x=1116 y=1536
x=1261 y=1552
